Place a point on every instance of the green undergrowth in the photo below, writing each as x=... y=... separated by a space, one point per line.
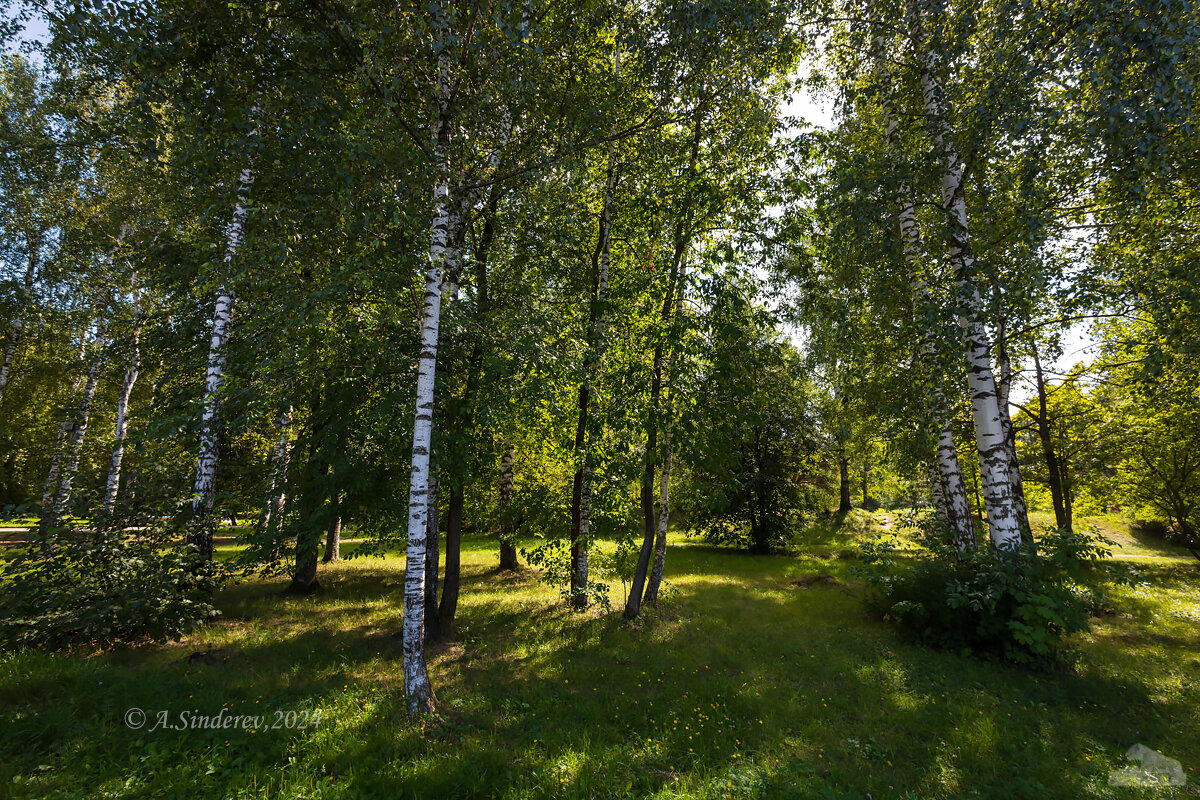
x=760 y=677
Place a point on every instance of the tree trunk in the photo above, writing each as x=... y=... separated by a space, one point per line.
x=50 y=488
x=461 y=422
x=682 y=240
x=664 y=513
x=417 y=688
x=118 y=454
x=953 y=487
x=50 y=491
x=508 y=550
x=312 y=497
x=1054 y=472
x=1068 y=492
x=950 y=491
x=844 y=504
x=333 y=533
x=18 y=323
x=581 y=495
x=448 y=606
x=1003 y=524
x=664 y=495
x=201 y=534
x=935 y=487
x=272 y=514
x=433 y=552
x=1003 y=386
x=78 y=432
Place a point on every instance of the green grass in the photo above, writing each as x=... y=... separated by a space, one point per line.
x=744 y=684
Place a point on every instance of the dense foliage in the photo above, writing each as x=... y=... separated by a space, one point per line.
x=425 y=271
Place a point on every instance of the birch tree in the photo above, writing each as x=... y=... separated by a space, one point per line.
x=1003 y=525
x=581 y=491
x=950 y=489
x=113 y=483
x=74 y=446
x=417 y=688
x=201 y=535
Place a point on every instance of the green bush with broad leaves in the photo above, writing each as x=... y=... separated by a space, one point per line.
x=104 y=590
x=1018 y=603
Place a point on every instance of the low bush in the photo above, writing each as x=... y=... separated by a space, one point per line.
x=1018 y=603
x=101 y=589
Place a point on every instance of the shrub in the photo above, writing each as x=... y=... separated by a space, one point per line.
x=105 y=590
x=1018 y=604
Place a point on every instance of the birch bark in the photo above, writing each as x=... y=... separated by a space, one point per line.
x=682 y=239
x=1003 y=525
x=417 y=688
x=201 y=535
x=78 y=434
x=664 y=515
x=50 y=489
x=18 y=323
x=118 y=454
x=1003 y=387
x=949 y=488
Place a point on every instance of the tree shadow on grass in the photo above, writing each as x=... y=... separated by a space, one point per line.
x=751 y=690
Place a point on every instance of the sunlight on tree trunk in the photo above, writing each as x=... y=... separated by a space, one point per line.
x=1003 y=525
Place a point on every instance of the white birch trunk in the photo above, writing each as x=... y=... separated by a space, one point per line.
x=417 y=688
x=206 y=461
x=118 y=453
x=78 y=434
x=989 y=432
x=50 y=489
x=18 y=323
x=949 y=488
x=1003 y=387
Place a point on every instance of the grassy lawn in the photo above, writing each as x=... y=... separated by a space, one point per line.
x=752 y=681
